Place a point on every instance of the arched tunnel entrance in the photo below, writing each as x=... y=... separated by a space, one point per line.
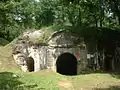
x=30 y=64
x=66 y=64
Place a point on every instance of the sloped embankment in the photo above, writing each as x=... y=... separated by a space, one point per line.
x=6 y=59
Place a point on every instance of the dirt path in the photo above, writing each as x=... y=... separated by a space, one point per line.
x=66 y=84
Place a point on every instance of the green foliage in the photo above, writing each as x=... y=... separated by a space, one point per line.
x=18 y=15
x=44 y=37
x=47 y=33
x=7 y=22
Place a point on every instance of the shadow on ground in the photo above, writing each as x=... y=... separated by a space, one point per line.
x=9 y=81
x=115 y=75
x=110 y=88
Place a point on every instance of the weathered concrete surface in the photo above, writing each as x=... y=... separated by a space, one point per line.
x=46 y=55
x=55 y=52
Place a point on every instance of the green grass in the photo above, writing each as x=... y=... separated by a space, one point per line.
x=27 y=81
x=49 y=80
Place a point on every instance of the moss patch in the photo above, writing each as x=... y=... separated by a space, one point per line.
x=47 y=33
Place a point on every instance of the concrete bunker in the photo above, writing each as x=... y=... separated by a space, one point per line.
x=64 y=52
x=66 y=64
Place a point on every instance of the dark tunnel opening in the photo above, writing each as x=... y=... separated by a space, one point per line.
x=30 y=64
x=66 y=64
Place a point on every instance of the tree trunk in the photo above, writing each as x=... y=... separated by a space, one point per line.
x=80 y=19
x=102 y=12
x=96 y=22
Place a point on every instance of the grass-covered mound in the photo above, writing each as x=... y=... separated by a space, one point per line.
x=47 y=32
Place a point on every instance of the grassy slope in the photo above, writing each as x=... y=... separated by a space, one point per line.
x=11 y=78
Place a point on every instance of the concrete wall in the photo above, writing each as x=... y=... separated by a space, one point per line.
x=45 y=57
x=81 y=56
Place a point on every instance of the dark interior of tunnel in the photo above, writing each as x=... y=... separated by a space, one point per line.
x=30 y=64
x=66 y=64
